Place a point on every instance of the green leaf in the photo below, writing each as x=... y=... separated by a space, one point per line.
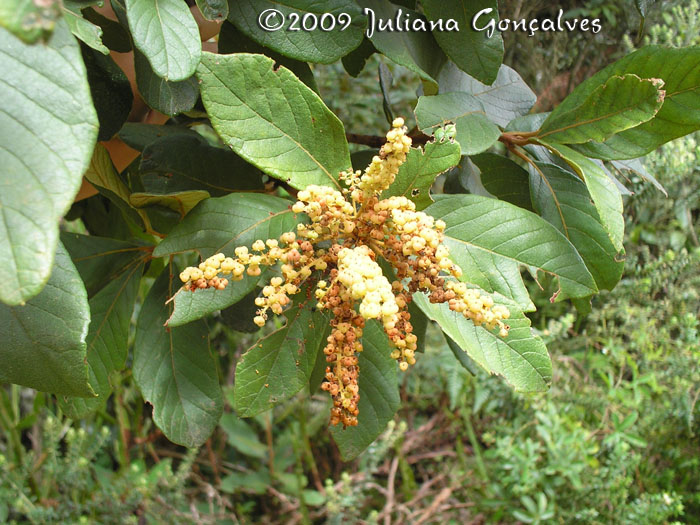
x=422 y=166
x=462 y=356
x=231 y=40
x=475 y=132
x=316 y=45
x=414 y=50
x=637 y=166
x=100 y=260
x=521 y=358
x=562 y=199
x=280 y=364
x=163 y=95
x=420 y=325
x=175 y=371
x=474 y=52
x=504 y=179
x=679 y=68
x=479 y=226
x=83 y=29
x=379 y=394
x=213 y=9
x=493 y=273
x=181 y=202
x=137 y=135
x=507 y=98
x=188 y=162
x=114 y=35
x=239 y=316
x=604 y=192
x=256 y=110
x=110 y=90
x=386 y=81
x=29 y=20
x=47 y=130
x=354 y=62
x=223 y=223
x=102 y=174
x=107 y=340
x=255 y=482
x=621 y=103
x=488 y=271
x=242 y=437
x=44 y=340
x=190 y=306
x=167 y=34
x=102 y=218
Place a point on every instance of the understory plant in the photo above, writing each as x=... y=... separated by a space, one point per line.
x=245 y=196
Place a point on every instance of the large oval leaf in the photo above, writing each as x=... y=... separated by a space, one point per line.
x=521 y=358
x=414 y=50
x=99 y=260
x=43 y=344
x=483 y=226
x=503 y=178
x=231 y=40
x=110 y=90
x=621 y=103
x=379 y=394
x=48 y=129
x=175 y=371
x=679 y=115
x=280 y=364
x=506 y=98
x=107 y=340
x=167 y=96
x=167 y=34
x=271 y=119
x=188 y=162
x=223 y=223
x=562 y=199
x=604 y=192
x=318 y=45
x=475 y=52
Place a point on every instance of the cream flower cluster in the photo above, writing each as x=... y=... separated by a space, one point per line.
x=207 y=273
x=363 y=277
x=381 y=172
x=338 y=252
x=328 y=210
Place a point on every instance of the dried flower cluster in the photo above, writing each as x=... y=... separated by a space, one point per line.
x=348 y=231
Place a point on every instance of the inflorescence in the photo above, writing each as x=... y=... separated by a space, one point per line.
x=348 y=232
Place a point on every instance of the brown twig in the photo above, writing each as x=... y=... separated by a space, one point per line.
x=430 y=511
x=390 y=491
x=517 y=138
x=213 y=461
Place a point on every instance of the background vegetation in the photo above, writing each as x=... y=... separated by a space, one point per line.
x=615 y=440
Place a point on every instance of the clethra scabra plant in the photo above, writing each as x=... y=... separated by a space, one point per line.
x=348 y=232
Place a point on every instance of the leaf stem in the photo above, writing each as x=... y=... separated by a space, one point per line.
x=517 y=138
